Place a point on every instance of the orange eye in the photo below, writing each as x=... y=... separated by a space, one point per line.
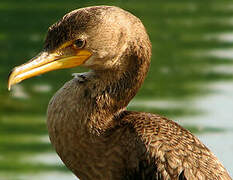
x=79 y=43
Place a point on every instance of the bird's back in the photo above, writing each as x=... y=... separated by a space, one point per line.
x=169 y=151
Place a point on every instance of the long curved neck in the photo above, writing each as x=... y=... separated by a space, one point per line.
x=92 y=105
x=115 y=89
x=81 y=114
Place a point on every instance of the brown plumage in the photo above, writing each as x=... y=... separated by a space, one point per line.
x=88 y=124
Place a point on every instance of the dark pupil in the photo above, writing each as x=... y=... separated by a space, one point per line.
x=79 y=43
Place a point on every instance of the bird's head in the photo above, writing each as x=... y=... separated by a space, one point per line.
x=94 y=37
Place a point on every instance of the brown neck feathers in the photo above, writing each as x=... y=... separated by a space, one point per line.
x=118 y=87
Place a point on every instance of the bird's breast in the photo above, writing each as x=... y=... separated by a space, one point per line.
x=65 y=122
x=68 y=113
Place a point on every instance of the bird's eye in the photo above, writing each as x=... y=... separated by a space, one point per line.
x=79 y=43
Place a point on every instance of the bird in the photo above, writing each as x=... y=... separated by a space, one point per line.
x=88 y=122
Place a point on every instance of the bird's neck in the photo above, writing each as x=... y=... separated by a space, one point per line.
x=94 y=102
x=85 y=110
x=114 y=90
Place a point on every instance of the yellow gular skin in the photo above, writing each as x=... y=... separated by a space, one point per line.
x=46 y=62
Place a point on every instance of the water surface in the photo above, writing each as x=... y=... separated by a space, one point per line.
x=190 y=79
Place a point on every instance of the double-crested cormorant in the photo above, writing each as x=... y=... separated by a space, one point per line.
x=89 y=126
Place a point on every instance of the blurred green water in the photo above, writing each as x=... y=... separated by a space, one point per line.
x=183 y=33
